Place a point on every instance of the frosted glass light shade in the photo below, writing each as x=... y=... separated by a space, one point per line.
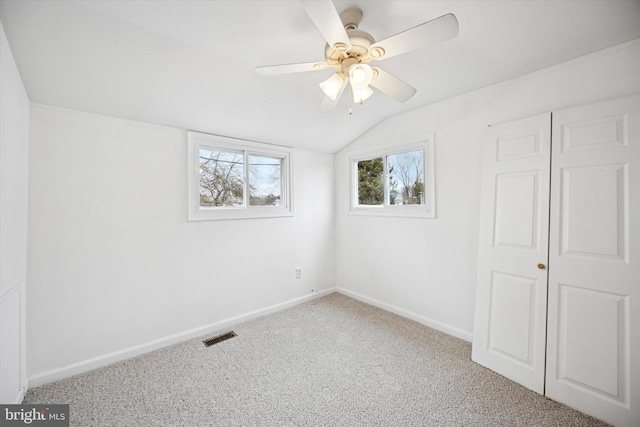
x=332 y=87
x=360 y=75
x=361 y=93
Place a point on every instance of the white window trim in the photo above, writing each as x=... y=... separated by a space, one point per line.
x=195 y=140
x=427 y=210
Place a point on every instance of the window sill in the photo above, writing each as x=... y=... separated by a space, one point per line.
x=400 y=211
x=238 y=213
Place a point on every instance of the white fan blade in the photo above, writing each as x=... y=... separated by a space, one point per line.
x=328 y=104
x=269 y=70
x=436 y=30
x=324 y=14
x=392 y=86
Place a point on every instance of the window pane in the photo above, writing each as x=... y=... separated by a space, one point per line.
x=221 y=178
x=406 y=178
x=371 y=182
x=265 y=181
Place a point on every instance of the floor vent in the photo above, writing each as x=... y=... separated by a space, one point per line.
x=215 y=340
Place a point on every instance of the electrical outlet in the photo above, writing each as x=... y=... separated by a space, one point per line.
x=298 y=273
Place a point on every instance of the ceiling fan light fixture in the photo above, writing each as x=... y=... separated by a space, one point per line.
x=333 y=86
x=349 y=50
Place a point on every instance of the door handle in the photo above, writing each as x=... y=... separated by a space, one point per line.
x=541 y=266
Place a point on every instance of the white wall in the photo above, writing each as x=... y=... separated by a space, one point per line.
x=14 y=149
x=426 y=268
x=115 y=269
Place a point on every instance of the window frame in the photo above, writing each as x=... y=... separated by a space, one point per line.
x=426 y=210
x=197 y=140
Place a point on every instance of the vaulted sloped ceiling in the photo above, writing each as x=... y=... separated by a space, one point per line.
x=190 y=64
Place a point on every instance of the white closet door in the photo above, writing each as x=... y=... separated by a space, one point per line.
x=593 y=349
x=511 y=300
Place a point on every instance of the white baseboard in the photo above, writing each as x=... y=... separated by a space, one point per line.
x=116 y=356
x=433 y=324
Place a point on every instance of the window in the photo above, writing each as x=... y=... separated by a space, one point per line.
x=397 y=182
x=230 y=178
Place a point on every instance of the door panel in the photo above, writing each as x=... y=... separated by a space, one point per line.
x=515 y=221
x=591 y=339
x=594 y=261
x=512 y=303
x=594 y=134
x=594 y=226
x=510 y=316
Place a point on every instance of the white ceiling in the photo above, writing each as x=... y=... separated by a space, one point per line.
x=190 y=64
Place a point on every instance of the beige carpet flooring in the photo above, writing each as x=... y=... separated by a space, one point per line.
x=331 y=362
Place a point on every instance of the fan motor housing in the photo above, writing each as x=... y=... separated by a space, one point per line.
x=360 y=42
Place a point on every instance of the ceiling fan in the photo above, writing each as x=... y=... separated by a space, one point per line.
x=350 y=50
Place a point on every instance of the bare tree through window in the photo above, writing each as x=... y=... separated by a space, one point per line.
x=406 y=178
x=232 y=179
x=265 y=180
x=221 y=178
